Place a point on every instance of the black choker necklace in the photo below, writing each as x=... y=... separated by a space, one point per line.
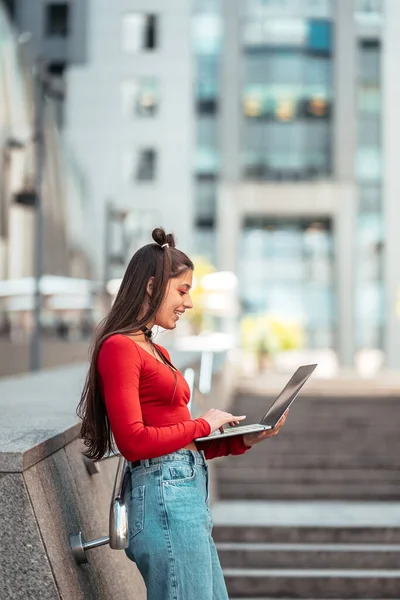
x=147 y=332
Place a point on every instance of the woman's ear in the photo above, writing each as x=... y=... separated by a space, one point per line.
x=149 y=286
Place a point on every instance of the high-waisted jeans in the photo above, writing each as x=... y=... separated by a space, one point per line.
x=170 y=528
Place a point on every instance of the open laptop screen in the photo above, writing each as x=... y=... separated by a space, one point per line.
x=287 y=395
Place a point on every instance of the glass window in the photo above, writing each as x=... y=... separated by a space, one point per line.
x=139 y=32
x=369 y=6
x=207 y=6
x=57 y=19
x=314 y=8
x=370 y=314
x=369 y=62
x=313 y=34
x=140 y=97
x=205 y=199
x=285 y=85
x=369 y=98
x=206 y=161
x=368 y=12
x=286 y=268
x=369 y=130
x=319 y=36
x=146 y=165
x=287 y=107
x=206 y=33
x=286 y=151
x=274 y=66
x=274 y=32
x=9 y=5
x=369 y=164
x=370 y=198
x=207 y=131
x=207 y=82
x=205 y=242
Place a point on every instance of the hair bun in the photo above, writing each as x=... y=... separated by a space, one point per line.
x=161 y=238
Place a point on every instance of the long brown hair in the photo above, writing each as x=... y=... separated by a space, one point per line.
x=160 y=260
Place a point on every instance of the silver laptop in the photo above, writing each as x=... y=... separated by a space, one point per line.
x=275 y=412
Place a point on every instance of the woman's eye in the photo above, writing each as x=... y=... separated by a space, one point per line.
x=182 y=293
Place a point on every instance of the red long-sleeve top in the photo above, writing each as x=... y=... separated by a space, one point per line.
x=146 y=404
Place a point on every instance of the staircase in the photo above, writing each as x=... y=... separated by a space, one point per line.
x=330 y=448
x=314 y=512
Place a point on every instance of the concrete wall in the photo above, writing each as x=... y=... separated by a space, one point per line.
x=40 y=508
x=106 y=142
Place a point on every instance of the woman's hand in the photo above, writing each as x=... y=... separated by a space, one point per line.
x=218 y=418
x=250 y=439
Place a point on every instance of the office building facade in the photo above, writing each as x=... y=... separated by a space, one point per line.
x=306 y=187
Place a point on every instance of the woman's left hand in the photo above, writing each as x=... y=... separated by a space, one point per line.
x=250 y=439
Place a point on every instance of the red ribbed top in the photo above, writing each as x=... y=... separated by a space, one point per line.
x=146 y=404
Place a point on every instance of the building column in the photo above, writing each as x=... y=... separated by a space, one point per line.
x=228 y=220
x=344 y=92
x=344 y=252
x=229 y=226
x=391 y=178
x=344 y=154
x=230 y=95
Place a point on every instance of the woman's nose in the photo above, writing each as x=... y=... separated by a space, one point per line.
x=188 y=302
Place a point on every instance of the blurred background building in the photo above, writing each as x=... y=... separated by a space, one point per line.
x=264 y=133
x=66 y=256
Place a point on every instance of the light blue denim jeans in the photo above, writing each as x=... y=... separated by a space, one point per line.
x=170 y=528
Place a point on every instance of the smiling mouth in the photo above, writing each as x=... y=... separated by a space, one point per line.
x=178 y=314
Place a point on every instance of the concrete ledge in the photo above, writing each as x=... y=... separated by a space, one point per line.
x=38 y=415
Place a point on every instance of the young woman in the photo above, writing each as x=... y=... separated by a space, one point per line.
x=134 y=394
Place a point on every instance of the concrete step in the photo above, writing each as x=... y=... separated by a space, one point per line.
x=313 y=583
x=305 y=491
x=311 y=475
x=308 y=556
x=259 y=457
x=306 y=535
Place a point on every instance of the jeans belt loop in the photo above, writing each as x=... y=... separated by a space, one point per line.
x=146 y=462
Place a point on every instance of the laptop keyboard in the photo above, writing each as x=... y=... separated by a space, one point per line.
x=243 y=428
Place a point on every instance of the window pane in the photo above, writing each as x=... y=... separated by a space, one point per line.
x=206 y=33
x=287 y=108
x=274 y=31
x=57 y=19
x=370 y=198
x=296 y=150
x=369 y=98
x=207 y=78
x=140 y=96
x=146 y=166
x=368 y=12
x=369 y=130
x=139 y=32
x=9 y=5
x=369 y=164
x=205 y=198
x=314 y=8
x=369 y=62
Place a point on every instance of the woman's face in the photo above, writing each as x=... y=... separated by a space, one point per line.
x=176 y=301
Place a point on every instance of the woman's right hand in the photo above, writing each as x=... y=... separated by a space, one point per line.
x=218 y=418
